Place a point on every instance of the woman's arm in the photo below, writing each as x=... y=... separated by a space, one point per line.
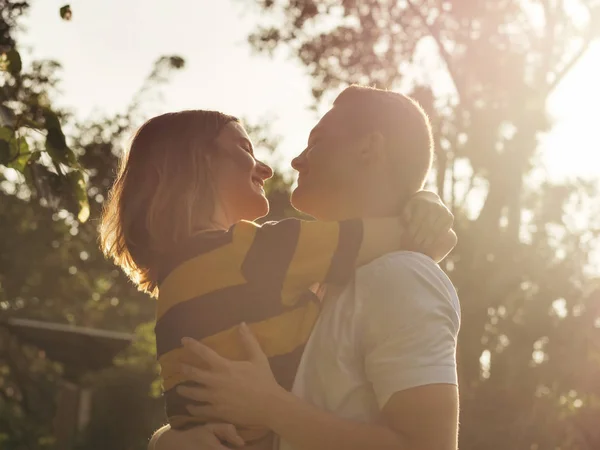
x=428 y=226
x=443 y=246
x=425 y=227
x=152 y=445
x=296 y=254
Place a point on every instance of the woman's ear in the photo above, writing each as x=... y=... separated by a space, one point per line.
x=372 y=148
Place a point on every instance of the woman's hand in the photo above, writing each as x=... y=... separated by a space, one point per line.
x=236 y=391
x=211 y=436
x=429 y=225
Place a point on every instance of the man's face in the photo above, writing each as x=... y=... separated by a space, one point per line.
x=329 y=170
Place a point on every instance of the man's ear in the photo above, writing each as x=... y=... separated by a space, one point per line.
x=210 y=160
x=372 y=148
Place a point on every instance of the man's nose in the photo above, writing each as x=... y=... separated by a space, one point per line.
x=299 y=162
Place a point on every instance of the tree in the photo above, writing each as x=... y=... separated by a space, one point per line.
x=32 y=141
x=529 y=343
x=51 y=268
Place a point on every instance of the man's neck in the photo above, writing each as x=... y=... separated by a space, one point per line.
x=367 y=209
x=375 y=203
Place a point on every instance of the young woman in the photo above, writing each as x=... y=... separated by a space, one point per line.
x=178 y=222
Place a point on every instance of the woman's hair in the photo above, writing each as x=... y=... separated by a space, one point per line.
x=162 y=189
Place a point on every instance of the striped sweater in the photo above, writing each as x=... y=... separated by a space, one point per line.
x=254 y=274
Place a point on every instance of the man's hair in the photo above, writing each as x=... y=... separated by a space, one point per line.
x=163 y=187
x=403 y=123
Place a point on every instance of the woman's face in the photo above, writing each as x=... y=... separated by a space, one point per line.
x=238 y=177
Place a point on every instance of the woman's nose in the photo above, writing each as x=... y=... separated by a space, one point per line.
x=265 y=171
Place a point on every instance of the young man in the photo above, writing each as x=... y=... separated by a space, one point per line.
x=379 y=371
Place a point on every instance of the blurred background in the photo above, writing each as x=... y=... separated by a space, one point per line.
x=511 y=87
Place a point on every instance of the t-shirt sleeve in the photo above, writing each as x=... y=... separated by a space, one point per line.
x=294 y=254
x=411 y=319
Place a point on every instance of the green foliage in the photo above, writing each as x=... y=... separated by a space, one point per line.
x=49 y=166
x=24 y=115
x=14 y=151
x=13 y=62
x=51 y=268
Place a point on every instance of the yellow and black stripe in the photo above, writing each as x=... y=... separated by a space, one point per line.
x=254 y=274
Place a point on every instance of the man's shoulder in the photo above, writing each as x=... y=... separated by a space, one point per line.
x=401 y=265
x=409 y=280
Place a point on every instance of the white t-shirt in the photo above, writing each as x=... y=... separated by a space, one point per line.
x=393 y=328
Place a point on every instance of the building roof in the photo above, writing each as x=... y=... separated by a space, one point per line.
x=79 y=349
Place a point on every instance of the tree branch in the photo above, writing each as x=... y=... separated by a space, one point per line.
x=434 y=32
x=561 y=74
x=470 y=186
x=589 y=36
x=547 y=42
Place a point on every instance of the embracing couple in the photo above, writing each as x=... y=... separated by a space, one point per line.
x=338 y=333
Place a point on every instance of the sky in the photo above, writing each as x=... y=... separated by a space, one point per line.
x=109 y=47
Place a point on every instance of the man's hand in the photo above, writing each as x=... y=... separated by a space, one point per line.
x=206 y=437
x=236 y=391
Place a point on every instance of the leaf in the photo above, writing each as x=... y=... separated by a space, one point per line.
x=20 y=150
x=14 y=151
x=177 y=62
x=79 y=188
x=35 y=156
x=56 y=144
x=14 y=62
x=66 y=13
x=7 y=116
x=6 y=149
x=6 y=133
x=4 y=152
x=51 y=119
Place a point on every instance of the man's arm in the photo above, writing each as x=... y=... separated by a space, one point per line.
x=423 y=418
x=426 y=416
x=411 y=322
x=306 y=427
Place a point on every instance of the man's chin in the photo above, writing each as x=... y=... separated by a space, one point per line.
x=298 y=200
x=307 y=204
